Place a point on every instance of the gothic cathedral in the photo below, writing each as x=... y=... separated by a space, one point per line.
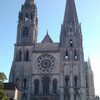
x=49 y=70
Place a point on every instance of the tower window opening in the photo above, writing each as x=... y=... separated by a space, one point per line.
x=18 y=57
x=27 y=56
x=25 y=32
x=75 y=81
x=36 y=86
x=75 y=54
x=54 y=86
x=66 y=55
x=26 y=16
x=71 y=43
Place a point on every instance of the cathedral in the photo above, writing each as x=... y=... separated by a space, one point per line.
x=51 y=70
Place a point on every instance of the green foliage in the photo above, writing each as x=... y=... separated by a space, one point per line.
x=2 y=93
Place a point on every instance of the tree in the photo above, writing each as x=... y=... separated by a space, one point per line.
x=2 y=92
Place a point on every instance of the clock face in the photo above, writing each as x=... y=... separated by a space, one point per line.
x=46 y=63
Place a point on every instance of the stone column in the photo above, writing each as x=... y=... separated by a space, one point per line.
x=41 y=87
x=71 y=83
x=61 y=87
x=61 y=93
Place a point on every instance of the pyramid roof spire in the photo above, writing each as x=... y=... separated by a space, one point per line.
x=47 y=39
x=70 y=16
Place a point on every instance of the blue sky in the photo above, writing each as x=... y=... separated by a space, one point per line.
x=50 y=15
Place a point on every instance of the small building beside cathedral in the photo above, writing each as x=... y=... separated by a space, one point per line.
x=51 y=70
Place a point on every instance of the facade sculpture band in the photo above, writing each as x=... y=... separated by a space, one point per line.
x=49 y=70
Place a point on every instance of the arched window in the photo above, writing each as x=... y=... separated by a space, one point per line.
x=66 y=54
x=24 y=96
x=17 y=82
x=71 y=43
x=25 y=32
x=54 y=83
x=36 y=86
x=46 y=81
x=75 y=81
x=26 y=55
x=26 y=16
x=18 y=56
x=24 y=83
x=75 y=54
x=66 y=80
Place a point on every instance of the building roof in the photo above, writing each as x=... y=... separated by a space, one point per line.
x=47 y=39
x=9 y=86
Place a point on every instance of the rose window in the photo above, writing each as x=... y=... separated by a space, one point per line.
x=46 y=63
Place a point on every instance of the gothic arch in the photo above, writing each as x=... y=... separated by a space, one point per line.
x=36 y=86
x=54 y=83
x=46 y=82
x=25 y=32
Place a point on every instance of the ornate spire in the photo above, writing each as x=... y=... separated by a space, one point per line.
x=70 y=16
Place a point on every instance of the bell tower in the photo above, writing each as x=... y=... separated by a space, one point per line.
x=27 y=24
x=72 y=57
x=71 y=36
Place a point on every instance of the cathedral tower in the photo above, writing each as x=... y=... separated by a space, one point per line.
x=49 y=70
x=27 y=24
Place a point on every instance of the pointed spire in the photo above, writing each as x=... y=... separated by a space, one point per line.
x=29 y=1
x=70 y=16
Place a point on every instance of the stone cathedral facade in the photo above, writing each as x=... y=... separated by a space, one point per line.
x=49 y=70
